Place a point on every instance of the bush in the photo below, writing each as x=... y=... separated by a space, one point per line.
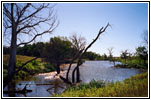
x=49 y=67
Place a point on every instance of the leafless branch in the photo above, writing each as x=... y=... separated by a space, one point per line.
x=50 y=30
x=80 y=58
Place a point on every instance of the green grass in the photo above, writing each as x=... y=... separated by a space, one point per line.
x=34 y=67
x=132 y=63
x=135 y=86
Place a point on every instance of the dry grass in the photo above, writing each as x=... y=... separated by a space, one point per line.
x=19 y=58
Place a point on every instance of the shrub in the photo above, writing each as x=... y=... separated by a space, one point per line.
x=49 y=67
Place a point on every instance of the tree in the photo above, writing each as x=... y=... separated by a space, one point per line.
x=105 y=57
x=57 y=52
x=142 y=53
x=24 y=20
x=79 y=55
x=102 y=30
x=78 y=45
x=6 y=50
x=145 y=38
x=111 y=55
x=91 y=56
x=124 y=55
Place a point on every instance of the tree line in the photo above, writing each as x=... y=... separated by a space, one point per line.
x=64 y=50
x=34 y=49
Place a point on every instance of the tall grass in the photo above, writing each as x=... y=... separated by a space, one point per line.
x=135 y=86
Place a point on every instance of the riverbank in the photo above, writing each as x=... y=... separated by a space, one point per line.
x=32 y=68
x=130 y=66
x=132 y=63
x=135 y=86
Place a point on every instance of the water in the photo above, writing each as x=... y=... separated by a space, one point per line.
x=90 y=70
x=104 y=70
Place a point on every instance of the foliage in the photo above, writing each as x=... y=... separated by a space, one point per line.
x=92 y=84
x=91 y=56
x=124 y=55
x=49 y=67
x=6 y=50
x=138 y=60
x=132 y=62
x=57 y=52
x=31 y=68
x=141 y=53
x=63 y=48
x=135 y=86
x=104 y=57
x=31 y=49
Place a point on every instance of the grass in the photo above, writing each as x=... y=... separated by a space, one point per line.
x=135 y=86
x=34 y=67
x=132 y=63
x=19 y=58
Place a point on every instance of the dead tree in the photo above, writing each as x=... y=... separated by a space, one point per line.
x=145 y=38
x=111 y=55
x=85 y=50
x=78 y=45
x=22 y=21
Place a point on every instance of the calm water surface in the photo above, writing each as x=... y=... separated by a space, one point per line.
x=104 y=70
x=90 y=70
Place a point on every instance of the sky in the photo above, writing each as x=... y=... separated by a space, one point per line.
x=128 y=22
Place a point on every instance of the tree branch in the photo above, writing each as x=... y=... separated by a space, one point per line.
x=80 y=58
x=20 y=67
x=7 y=12
x=35 y=12
x=30 y=26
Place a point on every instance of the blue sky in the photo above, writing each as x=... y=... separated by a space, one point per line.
x=128 y=21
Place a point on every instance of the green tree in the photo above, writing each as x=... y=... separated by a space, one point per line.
x=141 y=52
x=91 y=56
x=124 y=55
x=57 y=52
x=105 y=56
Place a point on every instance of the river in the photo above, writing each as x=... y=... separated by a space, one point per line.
x=89 y=70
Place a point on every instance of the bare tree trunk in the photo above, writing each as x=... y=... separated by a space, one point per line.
x=11 y=89
x=58 y=68
x=74 y=58
x=80 y=58
x=19 y=19
x=77 y=69
x=12 y=58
